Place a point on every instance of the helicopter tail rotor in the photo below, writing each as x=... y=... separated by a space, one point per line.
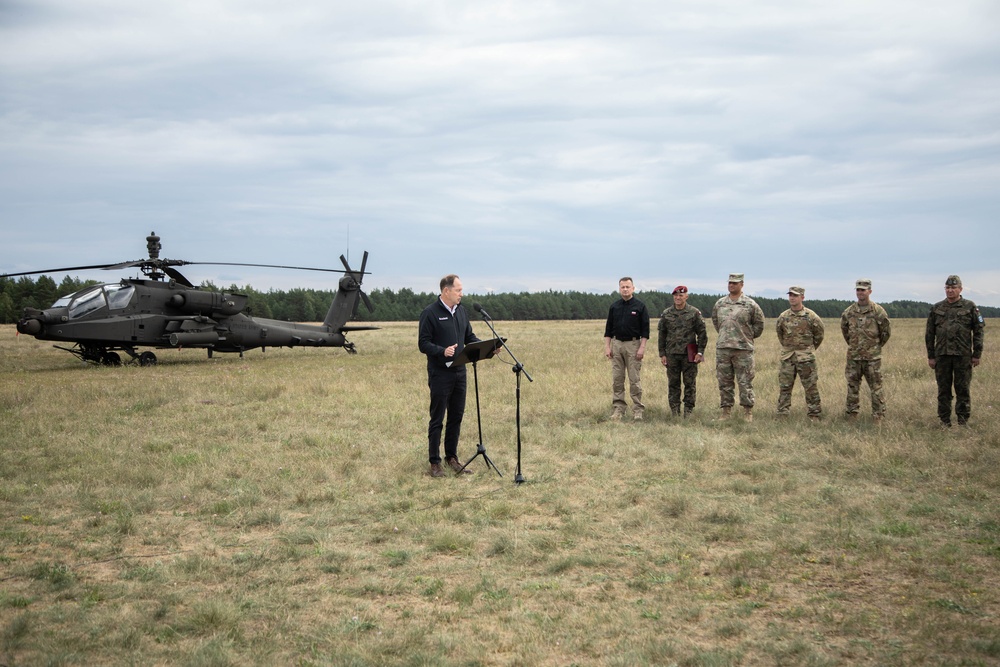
x=352 y=281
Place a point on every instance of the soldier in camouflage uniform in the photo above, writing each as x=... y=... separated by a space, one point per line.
x=866 y=329
x=954 y=341
x=682 y=328
x=739 y=321
x=800 y=332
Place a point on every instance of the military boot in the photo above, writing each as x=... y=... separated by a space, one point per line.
x=748 y=414
x=725 y=414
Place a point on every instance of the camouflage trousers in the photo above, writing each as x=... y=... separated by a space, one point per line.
x=805 y=368
x=734 y=367
x=678 y=368
x=623 y=361
x=871 y=371
x=954 y=370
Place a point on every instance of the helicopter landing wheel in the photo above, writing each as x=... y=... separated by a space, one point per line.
x=147 y=359
x=111 y=359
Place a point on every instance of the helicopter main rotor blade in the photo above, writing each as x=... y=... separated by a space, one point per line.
x=274 y=266
x=62 y=270
x=153 y=263
x=177 y=276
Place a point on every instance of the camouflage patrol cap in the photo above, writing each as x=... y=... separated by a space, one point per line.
x=953 y=281
x=797 y=291
x=735 y=277
x=863 y=283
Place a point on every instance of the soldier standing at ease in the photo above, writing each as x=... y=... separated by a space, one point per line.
x=800 y=332
x=739 y=321
x=954 y=341
x=866 y=329
x=625 y=336
x=681 y=333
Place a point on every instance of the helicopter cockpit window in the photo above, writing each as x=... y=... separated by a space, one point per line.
x=87 y=302
x=62 y=301
x=119 y=295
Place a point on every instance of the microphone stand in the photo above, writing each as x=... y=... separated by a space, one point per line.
x=518 y=369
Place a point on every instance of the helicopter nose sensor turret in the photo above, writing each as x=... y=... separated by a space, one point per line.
x=29 y=325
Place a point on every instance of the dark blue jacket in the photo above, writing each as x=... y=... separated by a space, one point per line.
x=439 y=329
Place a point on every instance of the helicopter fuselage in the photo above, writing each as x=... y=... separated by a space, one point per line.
x=151 y=313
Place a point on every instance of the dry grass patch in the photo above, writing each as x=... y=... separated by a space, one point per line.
x=276 y=510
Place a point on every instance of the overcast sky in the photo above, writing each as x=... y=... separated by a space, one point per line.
x=525 y=145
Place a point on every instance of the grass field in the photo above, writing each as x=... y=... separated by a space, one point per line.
x=276 y=510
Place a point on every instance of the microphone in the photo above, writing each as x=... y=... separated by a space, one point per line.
x=479 y=309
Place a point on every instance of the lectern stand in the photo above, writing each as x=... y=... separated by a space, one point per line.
x=518 y=369
x=474 y=353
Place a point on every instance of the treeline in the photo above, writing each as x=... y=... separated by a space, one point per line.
x=18 y=294
x=404 y=305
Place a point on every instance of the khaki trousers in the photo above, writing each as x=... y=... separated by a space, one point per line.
x=623 y=362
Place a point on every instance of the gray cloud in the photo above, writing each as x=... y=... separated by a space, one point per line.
x=547 y=145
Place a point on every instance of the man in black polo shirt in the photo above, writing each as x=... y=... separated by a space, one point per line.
x=625 y=336
x=444 y=331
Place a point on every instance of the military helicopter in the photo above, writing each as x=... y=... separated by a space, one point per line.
x=103 y=319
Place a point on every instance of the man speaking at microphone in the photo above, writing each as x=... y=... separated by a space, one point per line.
x=444 y=331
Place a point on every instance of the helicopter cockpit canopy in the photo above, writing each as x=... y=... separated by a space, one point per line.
x=87 y=301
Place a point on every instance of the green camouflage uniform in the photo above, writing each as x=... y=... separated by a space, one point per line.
x=866 y=329
x=677 y=329
x=954 y=338
x=738 y=323
x=800 y=334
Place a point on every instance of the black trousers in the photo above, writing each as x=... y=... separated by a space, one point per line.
x=447 y=398
x=953 y=370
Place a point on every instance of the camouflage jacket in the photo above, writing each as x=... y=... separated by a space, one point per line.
x=738 y=322
x=799 y=333
x=866 y=329
x=678 y=328
x=954 y=329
